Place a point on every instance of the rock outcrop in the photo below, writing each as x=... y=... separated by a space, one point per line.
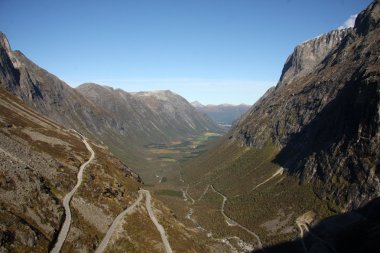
x=309 y=54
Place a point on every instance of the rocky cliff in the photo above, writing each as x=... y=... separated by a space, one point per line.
x=324 y=115
x=309 y=54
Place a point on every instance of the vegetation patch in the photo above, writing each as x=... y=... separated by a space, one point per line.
x=168 y=159
x=169 y=192
x=163 y=151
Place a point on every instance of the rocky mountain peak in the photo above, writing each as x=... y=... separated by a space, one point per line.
x=309 y=54
x=162 y=95
x=197 y=104
x=4 y=43
x=368 y=19
x=148 y=115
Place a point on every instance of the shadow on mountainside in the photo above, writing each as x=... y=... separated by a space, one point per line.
x=353 y=232
x=347 y=119
x=339 y=145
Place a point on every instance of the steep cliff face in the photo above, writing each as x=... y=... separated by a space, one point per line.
x=309 y=54
x=325 y=118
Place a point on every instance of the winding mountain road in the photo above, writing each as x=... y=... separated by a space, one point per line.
x=299 y=225
x=102 y=246
x=188 y=195
x=66 y=201
x=160 y=228
x=148 y=203
x=303 y=226
x=230 y=222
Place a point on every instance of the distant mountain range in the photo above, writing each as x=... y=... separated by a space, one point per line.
x=224 y=114
x=155 y=116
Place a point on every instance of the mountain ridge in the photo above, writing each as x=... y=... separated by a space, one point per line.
x=166 y=111
x=225 y=114
x=55 y=99
x=309 y=54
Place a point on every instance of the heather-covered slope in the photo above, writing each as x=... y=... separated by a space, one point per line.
x=39 y=162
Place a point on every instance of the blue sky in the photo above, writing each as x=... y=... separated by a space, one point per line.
x=213 y=51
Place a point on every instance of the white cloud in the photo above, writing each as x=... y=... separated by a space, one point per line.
x=350 y=22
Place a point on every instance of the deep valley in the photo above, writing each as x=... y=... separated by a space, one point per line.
x=99 y=169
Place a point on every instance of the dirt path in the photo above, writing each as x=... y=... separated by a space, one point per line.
x=303 y=222
x=204 y=193
x=148 y=203
x=278 y=172
x=103 y=245
x=164 y=238
x=299 y=224
x=66 y=202
x=230 y=222
x=186 y=195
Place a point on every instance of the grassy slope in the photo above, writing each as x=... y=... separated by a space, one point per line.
x=236 y=171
